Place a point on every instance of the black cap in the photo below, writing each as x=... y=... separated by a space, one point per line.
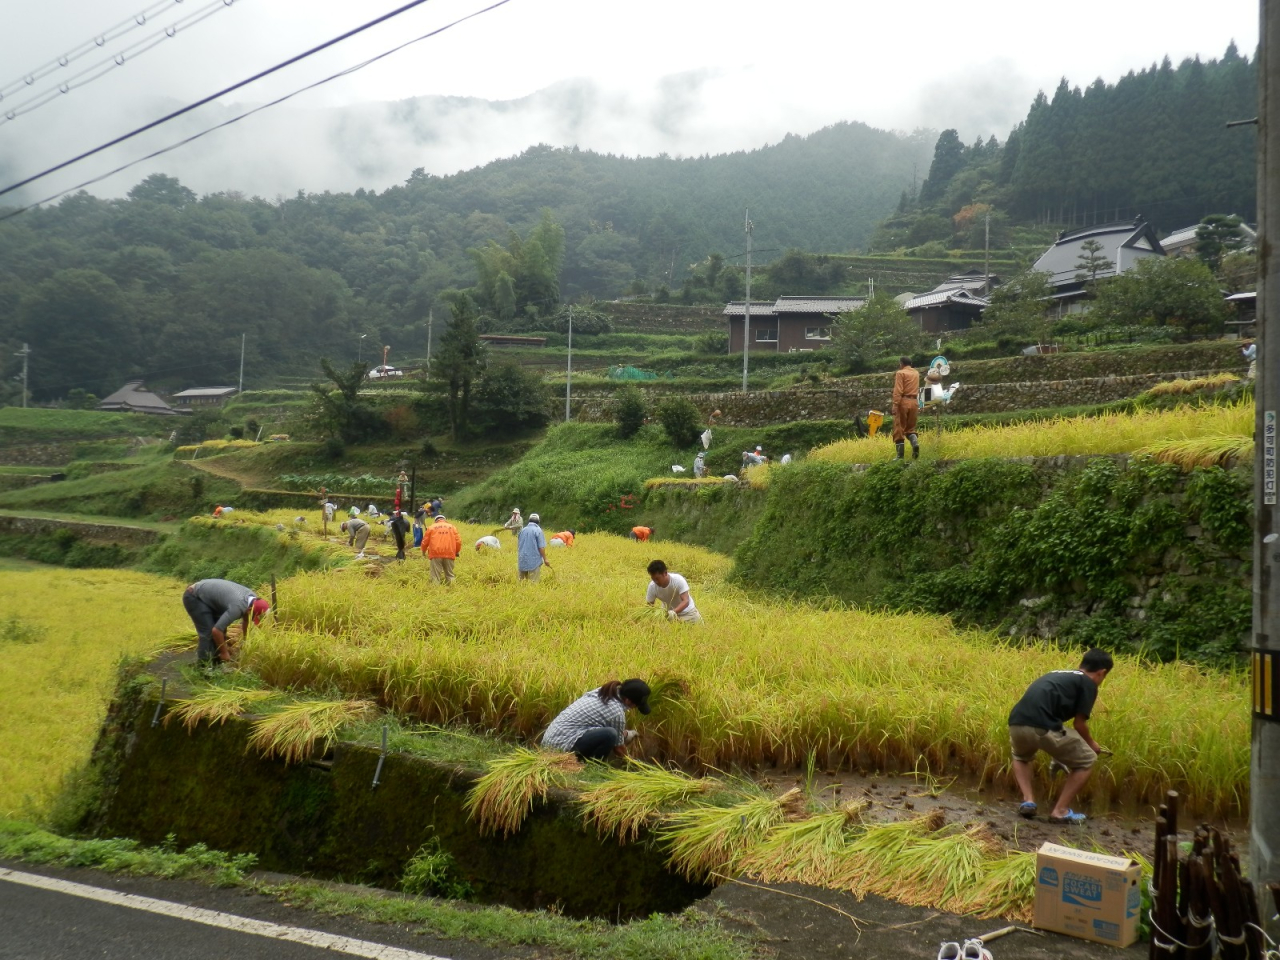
x=637 y=691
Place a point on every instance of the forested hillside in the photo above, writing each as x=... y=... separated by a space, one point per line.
x=163 y=283
x=1154 y=144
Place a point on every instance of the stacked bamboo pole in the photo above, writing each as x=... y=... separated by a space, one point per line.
x=1202 y=906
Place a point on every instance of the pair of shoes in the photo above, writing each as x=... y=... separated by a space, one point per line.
x=974 y=950
x=360 y=555
x=1027 y=810
x=1076 y=819
x=949 y=951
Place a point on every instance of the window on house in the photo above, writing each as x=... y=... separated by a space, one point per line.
x=767 y=336
x=817 y=333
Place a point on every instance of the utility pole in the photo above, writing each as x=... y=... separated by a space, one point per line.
x=24 y=353
x=430 y=318
x=568 y=367
x=240 y=389
x=1264 y=761
x=746 y=307
x=986 y=246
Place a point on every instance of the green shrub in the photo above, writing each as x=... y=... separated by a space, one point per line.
x=433 y=872
x=630 y=411
x=681 y=420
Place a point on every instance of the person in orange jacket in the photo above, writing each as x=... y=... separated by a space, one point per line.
x=565 y=537
x=641 y=534
x=441 y=545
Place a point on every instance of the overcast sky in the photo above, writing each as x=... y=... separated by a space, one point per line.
x=687 y=77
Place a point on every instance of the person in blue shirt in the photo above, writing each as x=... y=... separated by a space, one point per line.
x=531 y=553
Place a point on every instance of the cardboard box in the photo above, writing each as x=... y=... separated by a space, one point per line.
x=1088 y=895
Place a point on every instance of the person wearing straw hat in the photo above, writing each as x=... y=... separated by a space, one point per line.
x=515 y=523
x=441 y=544
x=1037 y=723
x=531 y=550
x=594 y=727
x=213 y=605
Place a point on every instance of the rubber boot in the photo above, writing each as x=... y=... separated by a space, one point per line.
x=901 y=449
x=915 y=446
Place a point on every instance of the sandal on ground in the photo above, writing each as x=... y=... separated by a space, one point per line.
x=1072 y=818
x=1027 y=810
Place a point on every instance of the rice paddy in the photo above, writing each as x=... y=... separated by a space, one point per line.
x=62 y=633
x=1071 y=436
x=760 y=682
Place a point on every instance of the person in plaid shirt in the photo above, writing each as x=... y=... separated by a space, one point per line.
x=594 y=727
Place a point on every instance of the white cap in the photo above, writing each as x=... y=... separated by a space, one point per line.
x=534 y=518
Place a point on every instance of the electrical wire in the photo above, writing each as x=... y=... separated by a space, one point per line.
x=96 y=42
x=248 y=113
x=214 y=96
x=103 y=67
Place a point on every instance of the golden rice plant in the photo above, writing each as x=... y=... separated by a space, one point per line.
x=1007 y=889
x=634 y=797
x=656 y=483
x=1201 y=451
x=1076 y=436
x=293 y=731
x=940 y=869
x=869 y=861
x=504 y=796
x=805 y=851
x=218 y=705
x=1180 y=386
x=704 y=842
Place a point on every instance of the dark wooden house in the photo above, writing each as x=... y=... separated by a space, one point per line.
x=789 y=324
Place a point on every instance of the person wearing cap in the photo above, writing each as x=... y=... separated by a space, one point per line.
x=357 y=532
x=594 y=727
x=492 y=542
x=515 y=523
x=673 y=591
x=441 y=545
x=641 y=534
x=563 y=539
x=531 y=551
x=213 y=605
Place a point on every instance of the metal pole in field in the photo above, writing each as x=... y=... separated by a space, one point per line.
x=240 y=389
x=1264 y=763
x=746 y=307
x=24 y=353
x=568 y=369
x=431 y=315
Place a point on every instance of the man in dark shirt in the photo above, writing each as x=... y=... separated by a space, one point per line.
x=1036 y=723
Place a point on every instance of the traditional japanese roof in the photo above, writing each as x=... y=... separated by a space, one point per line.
x=825 y=305
x=196 y=393
x=1249 y=297
x=133 y=397
x=1187 y=236
x=959 y=297
x=759 y=308
x=973 y=280
x=1124 y=244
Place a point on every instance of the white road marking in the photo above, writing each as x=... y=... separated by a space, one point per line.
x=214 y=918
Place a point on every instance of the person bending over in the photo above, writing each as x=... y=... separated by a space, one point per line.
x=1037 y=723
x=594 y=727
x=213 y=605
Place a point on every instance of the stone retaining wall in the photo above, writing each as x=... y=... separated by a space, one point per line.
x=763 y=408
x=95 y=532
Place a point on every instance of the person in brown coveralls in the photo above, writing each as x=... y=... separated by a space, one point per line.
x=906 y=389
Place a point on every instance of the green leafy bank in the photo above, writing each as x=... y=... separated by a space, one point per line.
x=1127 y=554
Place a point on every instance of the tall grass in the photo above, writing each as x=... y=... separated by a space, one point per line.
x=627 y=801
x=502 y=799
x=55 y=687
x=1074 y=436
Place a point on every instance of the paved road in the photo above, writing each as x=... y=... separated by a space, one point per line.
x=82 y=914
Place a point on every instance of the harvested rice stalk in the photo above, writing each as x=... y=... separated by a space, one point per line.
x=217 y=705
x=805 y=851
x=630 y=798
x=939 y=870
x=872 y=856
x=706 y=841
x=1200 y=451
x=503 y=797
x=1008 y=889
x=1182 y=386
x=293 y=731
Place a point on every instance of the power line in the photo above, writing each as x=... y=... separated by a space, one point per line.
x=214 y=96
x=247 y=113
x=103 y=67
x=96 y=42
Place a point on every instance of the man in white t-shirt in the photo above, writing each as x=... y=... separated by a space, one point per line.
x=673 y=590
